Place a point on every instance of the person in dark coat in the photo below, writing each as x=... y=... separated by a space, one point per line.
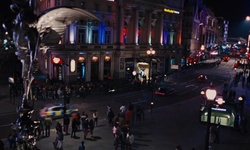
x=91 y=126
x=111 y=115
x=74 y=128
x=66 y=122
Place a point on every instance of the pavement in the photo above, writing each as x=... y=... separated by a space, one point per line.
x=163 y=129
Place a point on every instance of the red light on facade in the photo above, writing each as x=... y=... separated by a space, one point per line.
x=57 y=60
x=124 y=31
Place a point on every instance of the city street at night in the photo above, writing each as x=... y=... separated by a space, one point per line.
x=173 y=121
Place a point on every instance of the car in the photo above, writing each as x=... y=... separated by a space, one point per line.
x=165 y=90
x=225 y=58
x=56 y=111
x=202 y=78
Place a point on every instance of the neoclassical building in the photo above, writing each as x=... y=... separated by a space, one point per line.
x=116 y=45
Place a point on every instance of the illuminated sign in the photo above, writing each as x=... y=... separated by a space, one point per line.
x=171 y=11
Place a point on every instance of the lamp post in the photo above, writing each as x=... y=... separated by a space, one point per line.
x=150 y=54
x=210 y=95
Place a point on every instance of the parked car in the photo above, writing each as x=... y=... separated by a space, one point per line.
x=56 y=111
x=202 y=78
x=225 y=58
x=165 y=90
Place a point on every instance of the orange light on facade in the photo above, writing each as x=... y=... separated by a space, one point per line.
x=81 y=59
x=107 y=58
x=56 y=60
x=94 y=58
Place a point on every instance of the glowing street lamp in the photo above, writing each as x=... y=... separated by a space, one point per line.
x=150 y=54
x=210 y=95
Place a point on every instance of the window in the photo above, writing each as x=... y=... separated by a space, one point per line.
x=72 y=65
x=109 y=9
x=83 y=4
x=72 y=2
x=96 y=7
x=82 y=36
x=58 y=2
x=95 y=36
x=107 y=37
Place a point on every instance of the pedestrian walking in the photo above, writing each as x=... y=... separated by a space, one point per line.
x=11 y=141
x=130 y=139
x=86 y=127
x=74 y=128
x=91 y=127
x=48 y=124
x=111 y=115
x=60 y=138
x=58 y=126
x=42 y=127
x=81 y=146
x=83 y=117
x=95 y=117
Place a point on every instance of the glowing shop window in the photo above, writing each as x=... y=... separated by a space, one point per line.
x=72 y=65
x=46 y=64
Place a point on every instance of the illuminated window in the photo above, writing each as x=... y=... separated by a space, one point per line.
x=72 y=65
x=45 y=63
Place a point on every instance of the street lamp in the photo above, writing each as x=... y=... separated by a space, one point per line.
x=210 y=95
x=150 y=54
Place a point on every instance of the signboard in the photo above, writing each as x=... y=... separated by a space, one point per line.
x=175 y=67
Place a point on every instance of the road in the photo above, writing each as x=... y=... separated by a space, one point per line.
x=185 y=84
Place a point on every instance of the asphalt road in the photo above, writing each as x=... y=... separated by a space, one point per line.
x=185 y=84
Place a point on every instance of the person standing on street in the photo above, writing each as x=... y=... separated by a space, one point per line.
x=66 y=122
x=110 y=116
x=81 y=146
x=60 y=138
x=95 y=117
x=130 y=139
x=91 y=127
x=74 y=128
x=48 y=124
x=86 y=127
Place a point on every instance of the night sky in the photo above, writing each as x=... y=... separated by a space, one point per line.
x=228 y=9
x=235 y=12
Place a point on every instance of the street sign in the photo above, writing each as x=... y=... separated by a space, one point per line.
x=175 y=67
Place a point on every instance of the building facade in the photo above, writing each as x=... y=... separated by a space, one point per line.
x=181 y=32
x=116 y=46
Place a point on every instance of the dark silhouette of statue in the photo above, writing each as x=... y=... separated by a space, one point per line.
x=31 y=34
